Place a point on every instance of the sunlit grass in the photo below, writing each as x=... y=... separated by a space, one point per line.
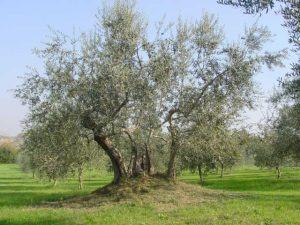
x=265 y=200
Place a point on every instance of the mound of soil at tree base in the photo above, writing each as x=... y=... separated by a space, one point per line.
x=155 y=191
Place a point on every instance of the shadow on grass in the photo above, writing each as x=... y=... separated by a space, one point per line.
x=32 y=198
x=30 y=222
x=257 y=185
x=3 y=179
x=31 y=195
x=24 y=187
x=34 y=186
x=19 y=189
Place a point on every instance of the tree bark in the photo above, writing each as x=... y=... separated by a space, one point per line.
x=136 y=168
x=135 y=163
x=200 y=174
x=148 y=159
x=130 y=165
x=80 y=178
x=278 y=172
x=222 y=170
x=148 y=164
x=115 y=157
x=171 y=172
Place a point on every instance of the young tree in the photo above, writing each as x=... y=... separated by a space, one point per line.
x=267 y=150
x=287 y=130
x=123 y=90
x=197 y=153
x=211 y=144
x=265 y=155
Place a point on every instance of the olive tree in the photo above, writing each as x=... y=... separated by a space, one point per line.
x=123 y=90
x=287 y=130
x=290 y=84
x=269 y=148
x=205 y=68
x=210 y=144
x=265 y=155
x=56 y=148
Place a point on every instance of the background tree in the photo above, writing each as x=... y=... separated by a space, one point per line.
x=287 y=130
x=269 y=150
x=56 y=149
x=290 y=84
x=265 y=155
x=8 y=152
x=211 y=145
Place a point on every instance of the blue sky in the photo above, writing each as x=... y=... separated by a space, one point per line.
x=24 y=26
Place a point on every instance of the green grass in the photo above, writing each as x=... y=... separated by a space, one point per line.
x=265 y=201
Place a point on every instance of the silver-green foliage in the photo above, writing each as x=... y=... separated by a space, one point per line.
x=290 y=84
x=115 y=85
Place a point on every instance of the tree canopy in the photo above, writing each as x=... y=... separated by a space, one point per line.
x=287 y=131
x=124 y=90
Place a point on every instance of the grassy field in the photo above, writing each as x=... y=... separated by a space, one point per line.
x=263 y=201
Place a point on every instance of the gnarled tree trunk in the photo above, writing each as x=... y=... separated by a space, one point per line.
x=278 y=172
x=148 y=164
x=200 y=173
x=115 y=157
x=171 y=172
x=135 y=167
x=138 y=165
x=80 y=178
x=222 y=170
